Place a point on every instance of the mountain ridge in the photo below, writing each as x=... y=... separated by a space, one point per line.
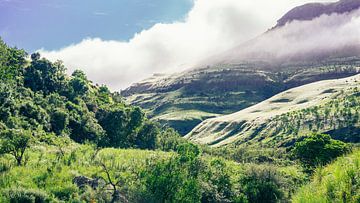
x=313 y=10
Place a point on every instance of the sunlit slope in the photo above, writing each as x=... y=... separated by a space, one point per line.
x=331 y=105
x=184 y=100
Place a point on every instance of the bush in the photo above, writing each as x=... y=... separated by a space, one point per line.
x=261 y=184
x=319 y=149
x=21 y=195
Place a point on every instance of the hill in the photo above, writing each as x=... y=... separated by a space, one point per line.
x=329 y=106
x=184 y=100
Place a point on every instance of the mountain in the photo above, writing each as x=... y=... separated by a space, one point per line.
x=303 y=48
x=314 y=10
x=329 y=106
x=184 y=100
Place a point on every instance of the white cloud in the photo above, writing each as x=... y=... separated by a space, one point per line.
x=326 y=36
x=212 y=26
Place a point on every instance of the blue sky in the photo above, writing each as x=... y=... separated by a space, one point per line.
x=53 y=24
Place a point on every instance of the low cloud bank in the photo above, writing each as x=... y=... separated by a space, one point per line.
x=211 y=27
x=335 y=35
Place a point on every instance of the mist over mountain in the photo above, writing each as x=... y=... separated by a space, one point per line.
x=314 y=10
x=312 y=32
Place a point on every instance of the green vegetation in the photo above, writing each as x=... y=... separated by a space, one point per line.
x=72 y=172
x=64 y=139
x=337 y=182
x=318 y=150
x=37 y=97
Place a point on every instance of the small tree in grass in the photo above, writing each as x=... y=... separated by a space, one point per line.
x=319 y=149
x=15 y=142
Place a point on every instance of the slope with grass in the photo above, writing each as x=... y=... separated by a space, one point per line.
x=184 y=100
x=327 y=106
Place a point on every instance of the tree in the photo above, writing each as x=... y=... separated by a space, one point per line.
x=114 y=121
x=216 y=183
x=173 y=180
x=11 y=62
x=319 y=149
x=261 y=184
x=15 y=142
x=122 y=125
x=147 y=136
x=59 y=121
x=42 y=75
x=78 y=84
x=169 y=140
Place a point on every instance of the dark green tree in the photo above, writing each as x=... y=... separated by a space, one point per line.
x=79 y=85
x=319 y=149
x=15 y=142
x=42 y=75
x=261 y=184
x=147 y=136
x=59 y=121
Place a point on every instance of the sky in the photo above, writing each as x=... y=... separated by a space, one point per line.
x=121 y=42
x=53 y=24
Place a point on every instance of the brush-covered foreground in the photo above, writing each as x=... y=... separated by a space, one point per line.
x=82 y=173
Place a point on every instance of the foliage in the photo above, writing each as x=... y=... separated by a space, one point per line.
x=19 y=195
x=262 y=185
x=40 y=96
x=337 y=182
x=319 y=149
x=15 y=142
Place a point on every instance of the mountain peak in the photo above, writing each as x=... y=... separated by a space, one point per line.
x=314 y=10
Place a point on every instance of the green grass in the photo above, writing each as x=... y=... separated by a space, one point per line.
x=337 y=182
x=47 y=170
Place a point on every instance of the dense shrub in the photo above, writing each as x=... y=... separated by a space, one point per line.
x=261 y=184
x=20 y=195
x=319 y=149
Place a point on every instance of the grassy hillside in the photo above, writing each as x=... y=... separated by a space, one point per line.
x=184 y=100
x=330 y=106
x=337 y=182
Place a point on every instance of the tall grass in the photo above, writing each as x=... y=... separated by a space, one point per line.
x=338 y=182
